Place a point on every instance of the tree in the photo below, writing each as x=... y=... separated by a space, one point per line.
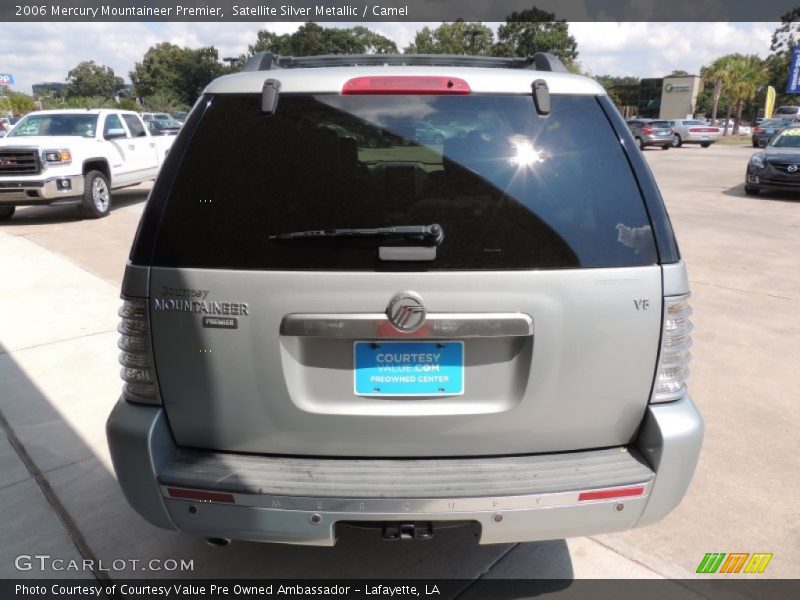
x=623 y=91
x=16 y=102
x=748 y=75
x=785 y=36
x=534 y=30
x=717 y=75
x=311 y=39
x=458 y=37
x=181 y=72
x=90 y=79
x=163 y=101
x=784 y=39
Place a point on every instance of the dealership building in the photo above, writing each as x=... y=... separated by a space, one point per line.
x=673 y=97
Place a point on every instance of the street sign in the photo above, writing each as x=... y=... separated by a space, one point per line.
x=793 y=85
x=6 y=79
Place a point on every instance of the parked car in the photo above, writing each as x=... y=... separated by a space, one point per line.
x=791 y=112
x=768 y=129
x=693 y=131
x=180 y=116
x=76 y=157
x=164 y=127
x=151 y=116
x=777 y=166
x=492 y=330
x=649 y=132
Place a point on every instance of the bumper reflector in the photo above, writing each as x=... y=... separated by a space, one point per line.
x=628 y=492
x=201 y=496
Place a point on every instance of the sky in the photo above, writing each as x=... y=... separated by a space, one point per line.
x=37 y=52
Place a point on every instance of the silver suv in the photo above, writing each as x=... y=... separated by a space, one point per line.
x=330 y=321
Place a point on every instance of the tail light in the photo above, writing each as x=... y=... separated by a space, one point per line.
x=136 y=358
x=676 y=339
x=703 y=130
x=647 y=130
x=759 y=130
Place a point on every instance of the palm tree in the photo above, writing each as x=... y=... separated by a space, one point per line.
x=747 y=75
x=718 y=74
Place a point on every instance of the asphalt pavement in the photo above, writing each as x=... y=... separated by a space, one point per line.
x=59 y=379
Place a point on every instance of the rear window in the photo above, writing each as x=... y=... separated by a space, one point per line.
x=511 y=189
x=661 y=124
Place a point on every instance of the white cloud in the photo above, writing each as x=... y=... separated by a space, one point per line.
x=36 y=52
x=655 y=49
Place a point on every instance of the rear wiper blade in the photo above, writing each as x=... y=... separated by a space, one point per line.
x=431 y=235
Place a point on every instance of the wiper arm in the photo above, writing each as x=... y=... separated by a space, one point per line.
x=430 y=235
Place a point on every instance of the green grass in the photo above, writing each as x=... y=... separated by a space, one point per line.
x=735 y=140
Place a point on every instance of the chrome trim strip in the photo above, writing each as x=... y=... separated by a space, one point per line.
x=371 y=506
x=46 y=188
x=437 y=325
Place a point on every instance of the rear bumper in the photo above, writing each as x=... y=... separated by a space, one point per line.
x=657 y=140
x=522 y=499
x=700 y=138
x=45 y=191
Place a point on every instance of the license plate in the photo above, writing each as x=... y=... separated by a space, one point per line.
x=703 y=137
x=663 y=133
x=408 y=368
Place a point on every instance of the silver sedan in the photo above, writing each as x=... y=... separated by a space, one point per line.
x=692 y=131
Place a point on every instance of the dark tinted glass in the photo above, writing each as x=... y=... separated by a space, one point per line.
x=660 y=124
x=790 y=138
x=135 y=126
x=511 y=189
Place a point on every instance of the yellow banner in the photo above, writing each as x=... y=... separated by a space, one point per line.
x=770 y=105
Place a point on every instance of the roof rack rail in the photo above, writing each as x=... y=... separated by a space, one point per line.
x=267 y=61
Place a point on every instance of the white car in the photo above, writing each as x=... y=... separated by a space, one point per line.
x=693 y=131
x=76 y=157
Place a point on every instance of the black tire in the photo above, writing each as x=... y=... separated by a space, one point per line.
x=677 y=142
x=666 y=147
x=641 y=144
x=755 y=144
x=96 y=201
x=705 y=144
x=751 y=191
x=6 y=212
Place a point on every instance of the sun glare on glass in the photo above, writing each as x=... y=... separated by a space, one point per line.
x=525 y=155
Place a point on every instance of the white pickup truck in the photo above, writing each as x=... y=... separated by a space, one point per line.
x=76 y=157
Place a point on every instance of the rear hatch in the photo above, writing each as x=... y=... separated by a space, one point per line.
x=534 y=323
x=658 y=130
